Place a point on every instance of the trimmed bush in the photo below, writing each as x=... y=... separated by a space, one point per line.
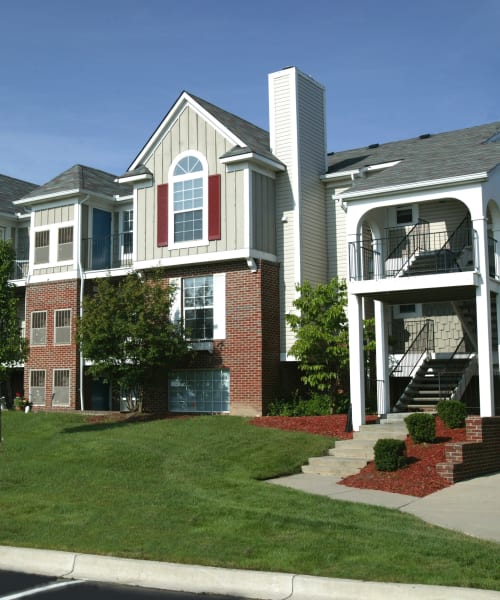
x=452 y=413
x=296 y=406
x=390 y=454
x=421 y=427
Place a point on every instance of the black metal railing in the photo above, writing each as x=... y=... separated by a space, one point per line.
x=21 y=262
x=419 y=252
x=421 y=345
x=107 y=252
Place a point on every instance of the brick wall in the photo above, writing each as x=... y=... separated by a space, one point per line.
x=250 y=349
x=478 y=455
x=50 y=297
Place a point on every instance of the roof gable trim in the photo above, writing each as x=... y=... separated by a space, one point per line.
x=184 y=101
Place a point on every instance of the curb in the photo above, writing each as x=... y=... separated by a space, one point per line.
x=214 y=580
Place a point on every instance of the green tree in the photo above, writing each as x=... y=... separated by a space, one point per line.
x=127 y=333
x=13 y=347
x=321 y=346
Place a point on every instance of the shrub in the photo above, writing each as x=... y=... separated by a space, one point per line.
x=390 y=454
x=421 y=427
x=296 y=406
x=452 y=413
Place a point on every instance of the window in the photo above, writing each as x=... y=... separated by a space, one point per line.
x=127 y=229
x=65 y=244
x=37 y=387
x=60 y=396
x=404 y=215
x=205 y=391
x=188 y=209
x=406 y=311
x=62 y=326
x=198 y=307
x=188 y=199
x=42 y=240
x=38 y=328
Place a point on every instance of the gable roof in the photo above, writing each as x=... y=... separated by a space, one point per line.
x=12 y=189
x=77 y=179
x=246 y=136
x=425 y=158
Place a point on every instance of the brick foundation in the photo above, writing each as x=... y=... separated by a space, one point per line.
x=478 y=455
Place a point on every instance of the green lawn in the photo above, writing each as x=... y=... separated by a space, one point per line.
x=191 y=491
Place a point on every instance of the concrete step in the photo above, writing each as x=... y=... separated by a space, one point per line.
x=353 y=449
x=349 y=456
x=376 y=432
x=331 y=465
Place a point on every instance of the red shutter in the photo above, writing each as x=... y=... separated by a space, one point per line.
x=162 y=215
x=214 y=229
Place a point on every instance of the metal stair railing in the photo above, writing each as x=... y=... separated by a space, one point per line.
x=463 y=375
x=417 y=351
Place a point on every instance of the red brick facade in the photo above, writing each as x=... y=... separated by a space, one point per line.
x=250 y=350
x=478 y=455
x=49 y=297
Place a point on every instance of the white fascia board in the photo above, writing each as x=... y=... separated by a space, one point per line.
x=134 y=178
x=254 y=158
x=422 y=282
x=122 y=199
x=418 y=185
x=213 y=257
x=182 y=103
x=340 y=175
x=48 y=277
x=45 y=197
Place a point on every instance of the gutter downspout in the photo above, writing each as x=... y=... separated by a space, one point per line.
x=81 y=274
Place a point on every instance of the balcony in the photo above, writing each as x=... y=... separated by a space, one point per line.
x=108 y=252
x=416 y=252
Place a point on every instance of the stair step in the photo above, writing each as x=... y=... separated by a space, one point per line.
x=331 y=465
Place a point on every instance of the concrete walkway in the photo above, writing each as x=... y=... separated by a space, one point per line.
x=471 y=507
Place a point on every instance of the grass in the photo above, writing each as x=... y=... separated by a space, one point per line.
x=191 y=491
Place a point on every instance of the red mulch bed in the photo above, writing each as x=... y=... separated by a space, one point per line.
x=418 y=478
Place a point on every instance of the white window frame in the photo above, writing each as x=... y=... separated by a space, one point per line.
x=53 y=247
x=33 y=329
x=55 y=400
x=62 y=246
x=125 y=223
x=394 y=215
x=172 y=180
x=219 y=303
x=35 y=399
x=58 y=328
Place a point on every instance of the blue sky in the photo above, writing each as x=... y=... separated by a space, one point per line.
x=88 y=82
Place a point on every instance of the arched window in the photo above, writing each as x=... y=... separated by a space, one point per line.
x=189 y=204
x=188 y=199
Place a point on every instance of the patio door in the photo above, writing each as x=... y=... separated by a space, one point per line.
x=101 y=239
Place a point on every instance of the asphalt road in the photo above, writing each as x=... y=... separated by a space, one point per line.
x=15 y=586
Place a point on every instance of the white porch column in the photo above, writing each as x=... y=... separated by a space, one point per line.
x=483 y=318
x=383 y=404
x=356 y=360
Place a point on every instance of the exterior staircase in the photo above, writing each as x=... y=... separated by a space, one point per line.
x=349 y=456
x=436 y=379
